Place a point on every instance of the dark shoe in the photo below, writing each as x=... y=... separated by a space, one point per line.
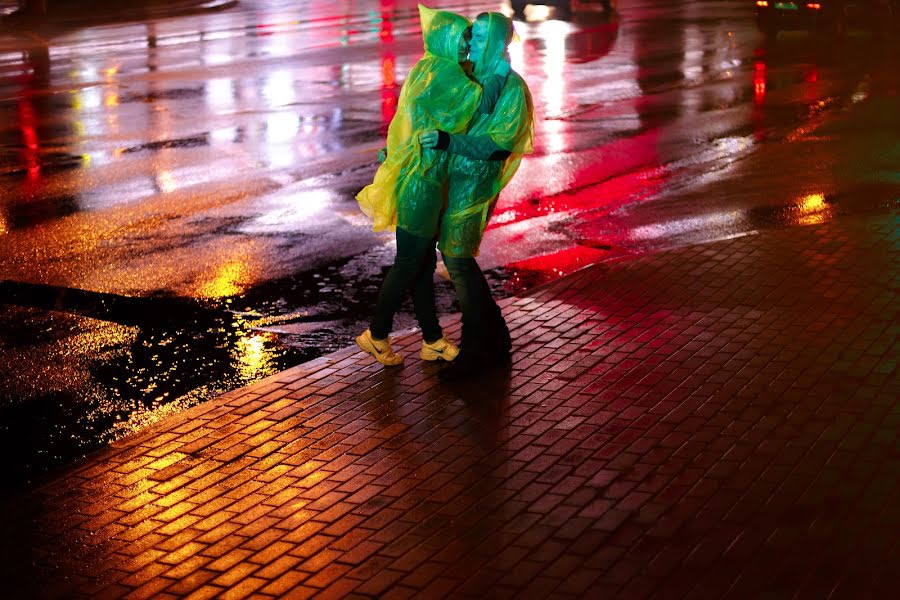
x=473 y=364
x=500 y=338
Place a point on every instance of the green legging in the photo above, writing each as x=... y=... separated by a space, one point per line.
x=413 y=269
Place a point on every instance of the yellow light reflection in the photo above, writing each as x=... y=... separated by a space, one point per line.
x=140 y=419
x=252 y=357
x=812 y=209
x=112 y=99
x=227 y=282
x=812 y=203
x=4 y=228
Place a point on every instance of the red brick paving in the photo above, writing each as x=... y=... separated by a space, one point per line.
x=718 y=421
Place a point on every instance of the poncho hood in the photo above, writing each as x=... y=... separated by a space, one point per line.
x=441 y=31
x=499 y=31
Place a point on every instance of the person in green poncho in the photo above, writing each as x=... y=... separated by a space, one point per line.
x=482 y=162
x=409 y=187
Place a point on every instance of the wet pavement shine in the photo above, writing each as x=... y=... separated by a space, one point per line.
x=176 y=195
x=713 y=421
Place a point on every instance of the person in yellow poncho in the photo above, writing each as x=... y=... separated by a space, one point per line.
x=482 y=162
x=409 y=187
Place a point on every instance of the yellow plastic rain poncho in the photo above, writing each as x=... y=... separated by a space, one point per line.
x=408 y=187
x=474 y=184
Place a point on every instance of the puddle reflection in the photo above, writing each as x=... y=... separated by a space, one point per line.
x=60 y=132
x=79 y=384
x=811 y=210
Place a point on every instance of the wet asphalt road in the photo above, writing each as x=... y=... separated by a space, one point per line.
x=176 y=196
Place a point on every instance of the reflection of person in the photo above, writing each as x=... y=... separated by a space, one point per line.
x=483 y=160
x=408 y=189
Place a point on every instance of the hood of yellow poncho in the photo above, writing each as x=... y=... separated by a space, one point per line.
x=441 y=31
x=437 y=94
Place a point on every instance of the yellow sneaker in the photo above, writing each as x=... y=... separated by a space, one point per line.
x=443 y=349
x=380 y=349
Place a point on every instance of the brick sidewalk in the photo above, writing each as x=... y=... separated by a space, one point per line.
x=716 y=421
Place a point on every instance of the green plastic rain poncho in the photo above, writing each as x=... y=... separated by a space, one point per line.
x=475 y=180
x=408 y=187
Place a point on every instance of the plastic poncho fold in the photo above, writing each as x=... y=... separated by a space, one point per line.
x=475 y=184
x=437 y=94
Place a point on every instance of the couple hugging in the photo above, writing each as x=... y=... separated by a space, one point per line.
x=456 y=140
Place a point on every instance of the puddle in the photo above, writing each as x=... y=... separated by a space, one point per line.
x=84 y=368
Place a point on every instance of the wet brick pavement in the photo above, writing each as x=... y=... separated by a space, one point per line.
x=715 y=421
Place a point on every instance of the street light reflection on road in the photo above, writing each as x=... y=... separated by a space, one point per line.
x=692 y=59
x=165 y=181
x=553 y=89
x=253 y=355
x=812 y=210
x=227 y=282
x=724 y=222
x=285 y=213
x=219 y=93
x=278 y=88
x=281 y=127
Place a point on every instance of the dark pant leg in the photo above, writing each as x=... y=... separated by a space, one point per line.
x=423 y=296
x=483 y=326
x=413 y=268
x=468 y=280
x=499 y=337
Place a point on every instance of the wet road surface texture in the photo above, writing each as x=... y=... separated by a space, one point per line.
x=176 y=195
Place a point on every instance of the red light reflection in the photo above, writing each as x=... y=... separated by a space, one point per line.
x=28 y=123
x=541 y=269
x=389 y=91
x=389 y=94
x=759 y=82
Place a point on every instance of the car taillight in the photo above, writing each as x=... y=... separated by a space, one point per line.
x=813 y=6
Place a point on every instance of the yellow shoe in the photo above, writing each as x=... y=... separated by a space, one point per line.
x=380 y=349
x=443 y=349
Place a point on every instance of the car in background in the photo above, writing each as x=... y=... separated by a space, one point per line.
x=564 y=8
x=831 y=18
